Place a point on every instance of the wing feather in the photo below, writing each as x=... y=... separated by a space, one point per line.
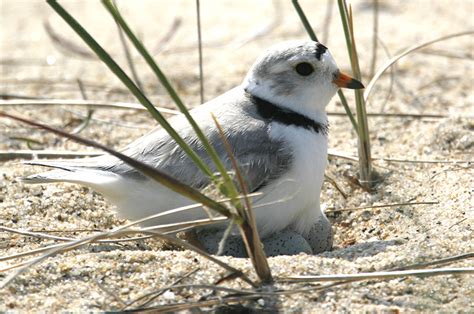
x=260 y=157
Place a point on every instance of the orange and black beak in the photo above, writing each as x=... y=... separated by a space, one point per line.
x=345 y=81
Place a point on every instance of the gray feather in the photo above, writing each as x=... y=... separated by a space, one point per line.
x=260 y=158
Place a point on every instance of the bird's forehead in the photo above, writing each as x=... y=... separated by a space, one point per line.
x=296 y=51
x=314 y=55
x=327 y=59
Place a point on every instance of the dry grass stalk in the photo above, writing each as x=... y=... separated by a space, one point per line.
x=446 y=260
x=82 y=102
x=149 y=297
x=334 y=210
x=199 y=36
x=381 y=275
x=249 y=227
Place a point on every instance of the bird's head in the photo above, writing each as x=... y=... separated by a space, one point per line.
x=298 y=75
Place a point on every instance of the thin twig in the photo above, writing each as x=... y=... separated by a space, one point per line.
x=100 y=88
x=349 y=156
x=17 y=96
x=29 y=142
x=397 y=115
x=349 y=113
x=27 y=253
x=445 y=260
x=115 y=122
x=335 y=185
x=225 y=236
x=110 y=293
x=67 y=45
x=135 y=106
x=178 y=307
x=66 y=231
x=234 y=295
x=422 y=161
x=457 y=223
x=82 y=89
x=201 y=71
x=156 y=293
x=380 y=275
x=90 y=111
x=172 y=30
x=33 y=234
x=333 y=210
x=457 y=168
x=233 y=43
x=82 y=102
x=33 y=154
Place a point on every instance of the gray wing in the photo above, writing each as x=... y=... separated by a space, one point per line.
x=259 y=157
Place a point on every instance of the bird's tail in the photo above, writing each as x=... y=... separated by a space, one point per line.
x=69 y=171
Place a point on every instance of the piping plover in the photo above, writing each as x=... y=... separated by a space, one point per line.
x=276 y=124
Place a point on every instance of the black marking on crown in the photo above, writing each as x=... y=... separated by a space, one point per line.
x=272 y=112
x=320 y=50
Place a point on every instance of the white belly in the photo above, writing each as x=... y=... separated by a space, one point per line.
x=293 y=200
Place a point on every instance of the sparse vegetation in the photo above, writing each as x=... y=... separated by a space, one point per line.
x=413 y=224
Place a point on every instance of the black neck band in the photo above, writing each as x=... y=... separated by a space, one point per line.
x=274 y=113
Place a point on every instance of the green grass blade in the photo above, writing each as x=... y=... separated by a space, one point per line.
x=365 y=158
x=230 y=189
x=115 y=68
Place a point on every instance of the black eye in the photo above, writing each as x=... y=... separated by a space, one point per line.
x=304 y=68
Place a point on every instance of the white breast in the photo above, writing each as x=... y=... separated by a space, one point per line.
x=293 y=199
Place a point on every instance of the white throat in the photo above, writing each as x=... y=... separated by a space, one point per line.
x=310 y=103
